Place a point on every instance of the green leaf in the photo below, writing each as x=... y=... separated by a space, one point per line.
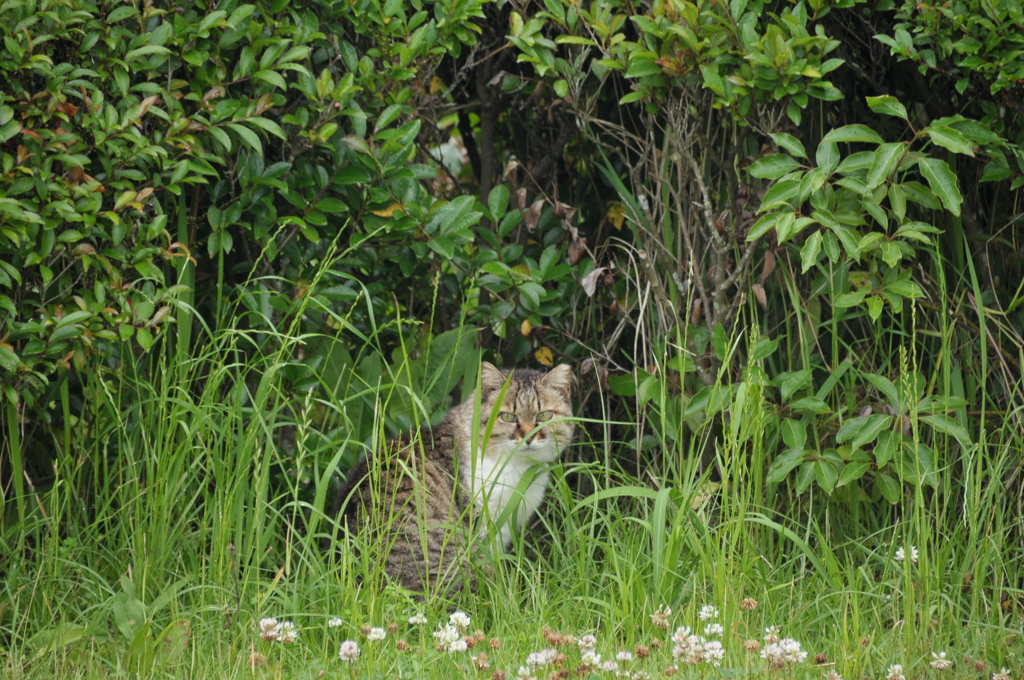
x=887 y=156
x=144 y=338
x=875 y=305
x=888 y=105
x=809 y=252
x=827 y=156
x=497 y=201
x=826 y=475
x=868 y=432
x=852 y=133
x=763 y=348
x=783 y=465
x=950 y=139
x=268 y=126
x=853 y=471
x=248 y=137
x=943 y=182
x=144 y=51
x=946 y=425
x=772 y=167
x=643 y=67
x=272 y=77
x=443 y=246
x=789 y=143
x=891 y=489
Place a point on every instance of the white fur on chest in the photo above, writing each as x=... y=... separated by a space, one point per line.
x=496 y=478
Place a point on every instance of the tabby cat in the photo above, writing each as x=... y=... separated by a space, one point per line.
x=416 y=501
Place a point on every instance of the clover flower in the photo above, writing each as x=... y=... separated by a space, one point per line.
x=714 y=652
x=901 y=555
x=708 y=612
x=660 y=617
x=713 y=630
x=895 y=672
x=541 y=658
x=939 y=661
x=609 y=666
x=587 y=642
x=417 y=619
x=783 y=653
x=269 y=629
x=771 y=634
x=286 y=632
x=334 y=622
x=591 y=658
x=447 y=635
x=624 y=656
x=832 y=674
x=460 y=620
x=349 y=651
x=1003 y=674
x=457 y=646
x=376 y=634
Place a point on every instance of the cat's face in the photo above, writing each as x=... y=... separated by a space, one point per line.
x=531 y=414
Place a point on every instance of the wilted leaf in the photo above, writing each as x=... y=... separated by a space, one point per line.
x=389 y=211
x=533 y=215
x=544 y=356
x=616 y=214
x=525 y=327
x=589 y=281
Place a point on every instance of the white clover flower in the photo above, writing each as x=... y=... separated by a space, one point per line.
x=587 y=642
x=609 y=666
x=447 y=635
x=708 y=612
x=376 y=634
x=541 y=658
x=895 y=672
x=771 y=634
x=939 y=661
x=269 y=629
x=680 y=636
x=524 y=673
x=457 y=645
x=714 y=653
x=660 y=617
x=624 y=656
x=792 y=651
x=349 y=651
x=713 y=630
x=1003 y=674
x=460 y=620
x=832 y=674
x=591 y=658
x=901 y=555
x=417 y=619
x=334 y=622
x=286 y=632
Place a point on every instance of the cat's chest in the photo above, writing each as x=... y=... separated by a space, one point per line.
x=496 y=483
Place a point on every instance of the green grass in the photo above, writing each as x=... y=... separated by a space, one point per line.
x=176 y=519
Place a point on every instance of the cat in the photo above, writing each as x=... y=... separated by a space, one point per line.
x=416 y=501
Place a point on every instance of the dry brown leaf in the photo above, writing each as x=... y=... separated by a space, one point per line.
x=533 y=215
x=759 y=294
x=589 y=281
x=510 y=172
x=577 y=248
x=563 y=211
x=769 y=265
x=521 y=198
x=697 y=312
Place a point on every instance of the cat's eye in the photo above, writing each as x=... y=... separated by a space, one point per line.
x=508 y=417
x=545 y=415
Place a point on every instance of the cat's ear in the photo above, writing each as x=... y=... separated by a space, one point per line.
x=559 y=378
x=491 y=379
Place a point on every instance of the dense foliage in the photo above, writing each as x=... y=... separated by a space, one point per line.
x=773 y=235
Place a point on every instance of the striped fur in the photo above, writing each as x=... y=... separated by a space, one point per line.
x=427 y=499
